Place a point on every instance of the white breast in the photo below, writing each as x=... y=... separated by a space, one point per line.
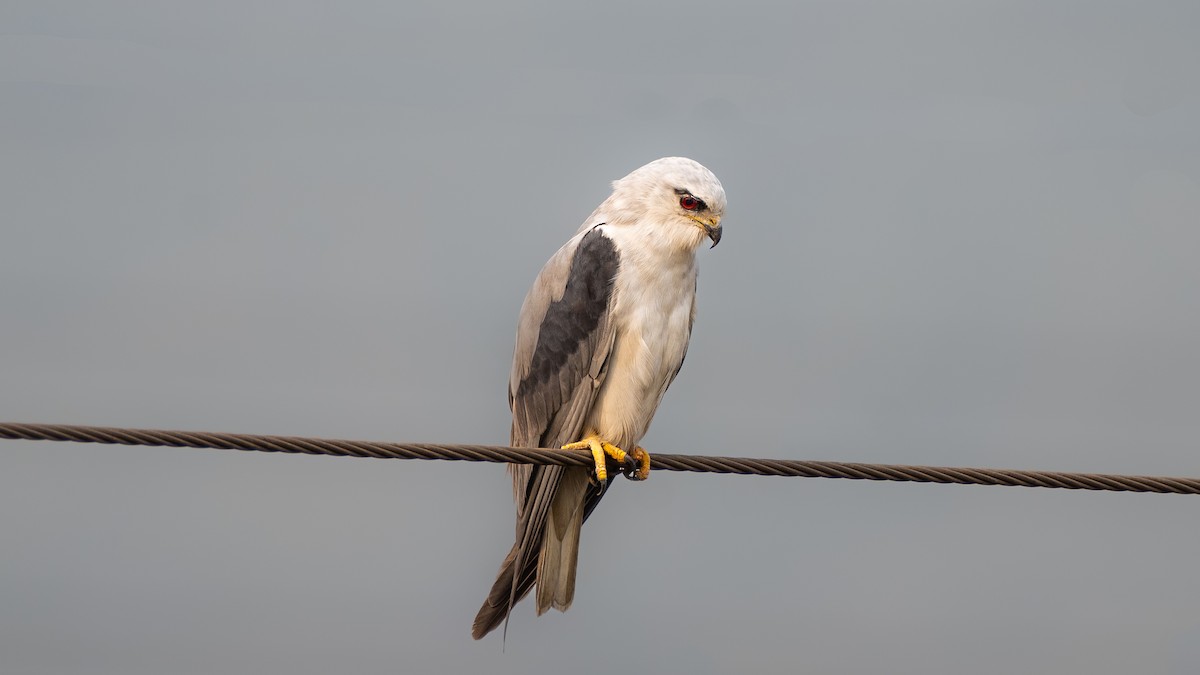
x=654 y=300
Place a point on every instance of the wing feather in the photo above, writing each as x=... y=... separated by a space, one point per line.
x=564 y=339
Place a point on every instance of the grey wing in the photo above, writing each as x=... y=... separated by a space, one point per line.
x=564 y=338
x=563 y=342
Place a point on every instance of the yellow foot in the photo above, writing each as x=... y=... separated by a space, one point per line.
x=642 y=472
x=600 y=448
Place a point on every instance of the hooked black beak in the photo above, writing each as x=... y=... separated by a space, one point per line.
x=714 y=233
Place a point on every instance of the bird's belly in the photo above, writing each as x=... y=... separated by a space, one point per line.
x=649 y=348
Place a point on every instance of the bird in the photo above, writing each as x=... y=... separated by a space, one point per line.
x=602 y=333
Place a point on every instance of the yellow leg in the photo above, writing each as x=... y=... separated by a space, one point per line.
x=643 y=461
x=600 y=448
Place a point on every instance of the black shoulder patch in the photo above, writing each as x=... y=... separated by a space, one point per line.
x=571 y=319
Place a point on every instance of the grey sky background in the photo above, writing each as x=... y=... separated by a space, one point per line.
x=958 y=233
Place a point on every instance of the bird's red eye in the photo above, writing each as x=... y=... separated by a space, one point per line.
x=689 y=202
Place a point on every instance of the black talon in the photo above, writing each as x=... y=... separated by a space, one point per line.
x=629 y=466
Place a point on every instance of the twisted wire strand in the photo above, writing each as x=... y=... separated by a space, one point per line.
x=659 y=461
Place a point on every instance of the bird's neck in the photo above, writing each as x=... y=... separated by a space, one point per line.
x=663 y=247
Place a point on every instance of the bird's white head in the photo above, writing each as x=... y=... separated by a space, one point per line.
x=676 y=200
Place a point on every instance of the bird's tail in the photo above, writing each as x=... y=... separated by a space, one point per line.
x=560 y=544
x=553 y=568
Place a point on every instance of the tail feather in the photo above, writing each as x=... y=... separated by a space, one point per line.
x=551 y=563
x=560 y=545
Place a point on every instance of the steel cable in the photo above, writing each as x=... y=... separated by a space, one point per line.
x=659 y=461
